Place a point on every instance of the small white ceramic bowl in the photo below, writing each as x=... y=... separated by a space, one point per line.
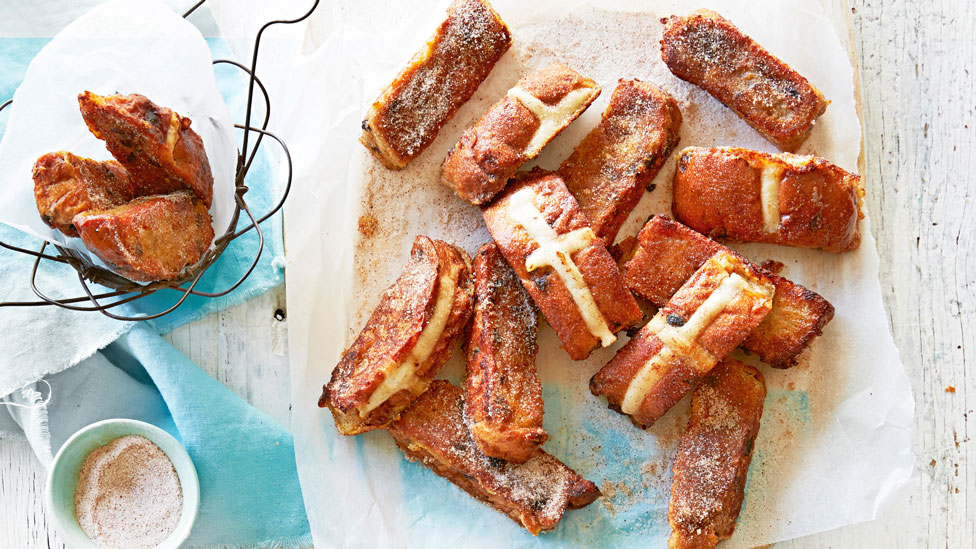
x=62 y=480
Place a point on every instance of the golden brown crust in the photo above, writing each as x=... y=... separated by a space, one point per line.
x=151 y=238
x=560 y=211
x=712 y=463
x=667 y=358
x=503 y=395
x=667 y=253
x=534 y=494
x=391 y=334
x=66 y=185
x=719 y=192
x=493 y=148
x=610 y=169
x=440 y=78
x=798 y=316
x=154 y=144
x=710 y=52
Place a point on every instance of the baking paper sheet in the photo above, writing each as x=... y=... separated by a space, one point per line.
x=117 y=47
x=834 y=447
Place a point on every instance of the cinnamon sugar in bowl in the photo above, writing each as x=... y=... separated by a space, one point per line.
x=123 y=483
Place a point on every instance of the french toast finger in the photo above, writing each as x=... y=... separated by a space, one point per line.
x=503 y=395
x=703 y=322
x=668 y=253
x=545 y=237
x=151 y=238
x=709 y=51
x=515 y=130
x=66 y=185
x=154 y=144
x=750 y=196
x=407 y=339
x=613 y=165
x=712 y=463
x=534 y=494
x=405 y=118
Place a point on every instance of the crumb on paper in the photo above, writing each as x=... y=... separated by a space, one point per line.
x=652 y=469
x=610 y=492
x=932 y=463
x=950 y=389
x=773 y=266
x=367 y=225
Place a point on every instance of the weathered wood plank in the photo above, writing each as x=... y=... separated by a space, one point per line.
x=23 y=520
x=917 y=63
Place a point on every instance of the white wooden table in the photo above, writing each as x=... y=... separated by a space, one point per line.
x=918 y=68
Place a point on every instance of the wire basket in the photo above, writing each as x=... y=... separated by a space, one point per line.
x=124 y=290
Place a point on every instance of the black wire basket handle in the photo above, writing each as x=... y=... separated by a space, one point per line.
x=124 y=290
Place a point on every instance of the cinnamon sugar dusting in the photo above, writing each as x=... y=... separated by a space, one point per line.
x=538 y=491
x=446 y=73
x=541 y=484
x=128 y=494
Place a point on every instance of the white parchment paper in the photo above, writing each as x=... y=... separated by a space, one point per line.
x=117 y=47
x=834 y=447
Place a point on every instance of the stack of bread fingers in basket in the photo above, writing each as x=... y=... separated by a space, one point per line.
x=146 y=213
x=553 y=252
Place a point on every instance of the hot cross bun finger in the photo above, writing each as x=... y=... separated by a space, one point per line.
x=534 y=494
x=614 y=164
x=667 y=253
x=712 y=463
x=442 y=76
x=544 y=235
x=503 y=394
x=156 y=145
x=407 y=339
x=66 y=185
x=515 y=130
x=708 y=317
x=709 y=51
x=751 y=196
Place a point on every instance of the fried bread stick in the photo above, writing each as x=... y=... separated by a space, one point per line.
x=151 y=238
x=750 y=196
x=66 y=185
x=503 y=395
x=707 y=50
x=668 y=253
x=407 y=339
x=515 y=130
x=534 y=494
x=704 y=321
x=610 y=169
x=712 y=463
x=565 y=267
x=405 y=118
x=154 y=144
